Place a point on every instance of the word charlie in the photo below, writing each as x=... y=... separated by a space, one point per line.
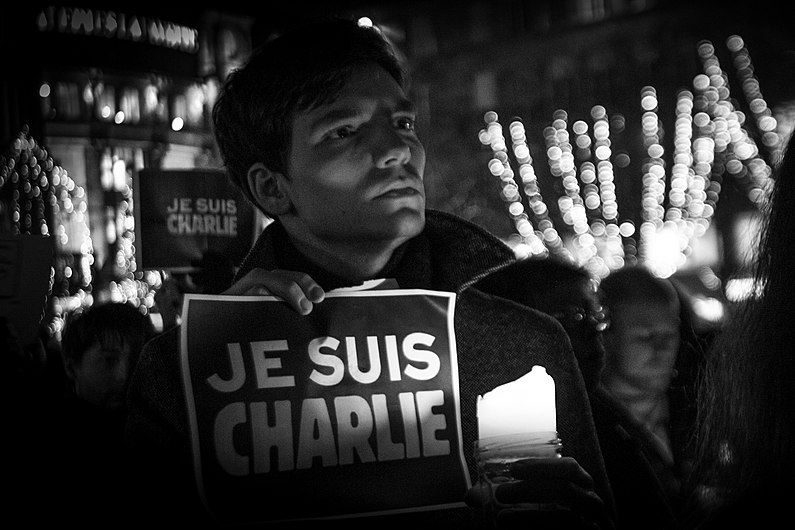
x=331 y=431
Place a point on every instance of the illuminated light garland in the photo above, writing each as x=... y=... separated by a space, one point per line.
x=545 y=236
x=742 y=158
x=37 y=191
x=531 y=242
x=561 y=162
x=608 y=234
x=591 y=242
x=131 y=285
x=765 y=121
x=710 y=140
x=661 y=244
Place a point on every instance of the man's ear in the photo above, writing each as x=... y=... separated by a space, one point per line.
x=268 y=190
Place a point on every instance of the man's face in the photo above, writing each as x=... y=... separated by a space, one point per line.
x=102 y=375
x=642 y=343
x=356 y=165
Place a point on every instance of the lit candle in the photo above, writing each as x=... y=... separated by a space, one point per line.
x=524 y=406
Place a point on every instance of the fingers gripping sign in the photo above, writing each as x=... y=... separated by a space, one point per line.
x=298 y=289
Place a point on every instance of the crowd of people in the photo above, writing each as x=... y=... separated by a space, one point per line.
x=318 y=132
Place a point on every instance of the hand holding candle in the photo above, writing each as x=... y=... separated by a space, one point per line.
x=518 y=443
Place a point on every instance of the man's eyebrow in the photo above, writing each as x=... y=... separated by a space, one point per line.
x=345 y=112
x=334 y=115
x=406 y=105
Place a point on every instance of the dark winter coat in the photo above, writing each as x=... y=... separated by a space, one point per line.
x=497 y=341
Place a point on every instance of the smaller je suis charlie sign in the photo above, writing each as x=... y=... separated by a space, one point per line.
x=180 y=215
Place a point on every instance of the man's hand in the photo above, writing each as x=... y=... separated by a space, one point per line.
x=547 y=493
x=298 y=289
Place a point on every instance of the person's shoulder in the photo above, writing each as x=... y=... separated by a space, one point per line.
x=462 y=252
x=161 y=351
x=157 y=380
x=511 y=311
x=510 y=326
x=445 y=225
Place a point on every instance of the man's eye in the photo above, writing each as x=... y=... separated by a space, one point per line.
x=406 y=123
x=341 y=132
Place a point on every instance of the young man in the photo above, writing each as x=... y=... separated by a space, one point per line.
x=82 y=480
x=568 y=293
x=641 y=350
x=318 y=132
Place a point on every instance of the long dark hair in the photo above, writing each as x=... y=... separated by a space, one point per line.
x=746 y=419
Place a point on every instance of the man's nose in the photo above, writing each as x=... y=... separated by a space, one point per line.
x=390 y=148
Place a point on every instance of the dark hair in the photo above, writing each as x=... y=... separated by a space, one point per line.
x=111 y=324
x=560 y=289
x=298 y=70
x=746 y=417
x=529 y=281
x=636 y=283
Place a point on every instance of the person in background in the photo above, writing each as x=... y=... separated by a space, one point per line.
x=745 y=437
x=565 y=291
x=571 y=295
x=71 y=465
x=642 y=345
x=100 y=349
x=318 y=132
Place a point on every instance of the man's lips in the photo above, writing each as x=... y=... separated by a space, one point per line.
x=398 y=193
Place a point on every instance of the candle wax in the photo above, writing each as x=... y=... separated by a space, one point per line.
x=526 y=405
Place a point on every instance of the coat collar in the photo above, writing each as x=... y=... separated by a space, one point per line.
x=449 y=255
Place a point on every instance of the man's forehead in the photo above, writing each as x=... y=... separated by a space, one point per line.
x=367 y=82
x=648 y=314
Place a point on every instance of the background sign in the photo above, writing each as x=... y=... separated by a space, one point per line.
x=348 y=410
x=25 y=264
x=181 y=214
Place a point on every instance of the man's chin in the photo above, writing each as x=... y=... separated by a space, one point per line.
x=411 y=222
x=396 y=226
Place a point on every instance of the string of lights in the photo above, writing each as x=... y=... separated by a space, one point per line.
x=38 y=197
x=710 y=139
